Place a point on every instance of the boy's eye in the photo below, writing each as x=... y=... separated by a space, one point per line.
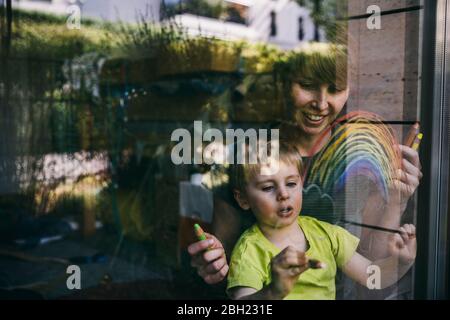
x=292 y=184
x=267 y=188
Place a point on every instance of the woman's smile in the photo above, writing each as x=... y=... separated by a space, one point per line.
x=314 y=119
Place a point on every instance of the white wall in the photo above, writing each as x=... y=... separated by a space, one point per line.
x=127 y=11
x=288 y=26
x=203 y=26
x=57 y=7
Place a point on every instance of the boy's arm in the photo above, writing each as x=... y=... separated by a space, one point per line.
x=247 y=293
x=391 y=270
x=286 y=267
x=403 y=251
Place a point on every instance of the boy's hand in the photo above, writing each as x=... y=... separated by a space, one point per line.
x=404 y=245
x=286 y=268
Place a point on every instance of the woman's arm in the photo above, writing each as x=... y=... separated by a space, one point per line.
x=212 y=264
x=227 y=224
x=378 y=212
x=402 y=250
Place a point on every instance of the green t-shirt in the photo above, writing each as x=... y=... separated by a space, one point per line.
x=251 y=257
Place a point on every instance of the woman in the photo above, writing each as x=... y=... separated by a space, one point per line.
x=315 y=80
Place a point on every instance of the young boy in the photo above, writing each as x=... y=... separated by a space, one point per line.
x=277 y=257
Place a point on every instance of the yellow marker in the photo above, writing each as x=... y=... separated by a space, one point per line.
x=416 y=143
x=199 y=232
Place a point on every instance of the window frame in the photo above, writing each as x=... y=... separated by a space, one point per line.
x=431 y=271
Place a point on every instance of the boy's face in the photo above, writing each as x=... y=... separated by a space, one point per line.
x=317 y=107
x=276 y=199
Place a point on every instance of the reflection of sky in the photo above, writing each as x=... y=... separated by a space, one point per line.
x=69 y=167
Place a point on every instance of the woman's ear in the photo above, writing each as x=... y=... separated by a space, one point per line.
x=241 y=199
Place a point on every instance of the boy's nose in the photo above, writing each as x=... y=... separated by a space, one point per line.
x=283 y=194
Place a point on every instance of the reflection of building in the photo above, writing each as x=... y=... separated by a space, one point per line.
x=281 y=22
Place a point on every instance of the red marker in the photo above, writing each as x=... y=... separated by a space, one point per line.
x=412 y=134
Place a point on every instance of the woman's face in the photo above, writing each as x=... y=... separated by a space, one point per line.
x=315 y=108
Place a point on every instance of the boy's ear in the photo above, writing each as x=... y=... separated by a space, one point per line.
x=241 y=199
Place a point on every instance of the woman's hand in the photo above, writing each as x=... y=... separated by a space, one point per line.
x=286 y=268
x=208 y=257
x=407 y=178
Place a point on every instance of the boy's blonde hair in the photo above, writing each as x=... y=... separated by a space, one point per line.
x=242 y=173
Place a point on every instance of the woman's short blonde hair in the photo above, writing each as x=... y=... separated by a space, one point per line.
x=314 y=64
x=318 y=63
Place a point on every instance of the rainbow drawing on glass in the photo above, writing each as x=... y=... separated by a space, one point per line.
x=361 y=144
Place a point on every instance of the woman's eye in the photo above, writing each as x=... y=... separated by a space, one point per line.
x=304 y=83
x=308 y=86
x=334 y=89
x=267 y=188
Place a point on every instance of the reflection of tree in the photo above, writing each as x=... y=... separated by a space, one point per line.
x=324 y=14
x=6 y=38
x=197 y=7
x=43 y=112
x=6 y=122
x=233 y=15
